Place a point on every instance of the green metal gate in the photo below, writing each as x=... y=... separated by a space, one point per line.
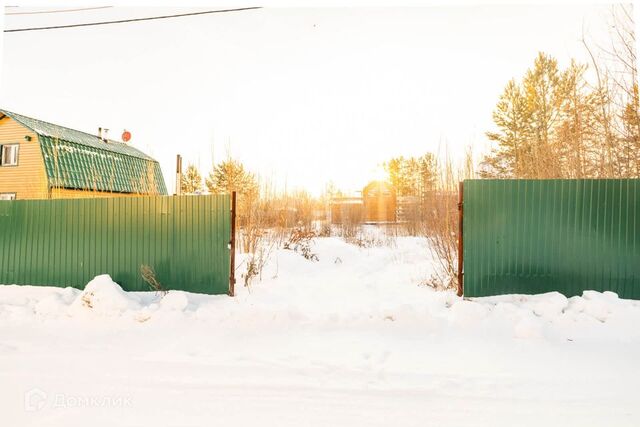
x=184 y=239
x=535 y=236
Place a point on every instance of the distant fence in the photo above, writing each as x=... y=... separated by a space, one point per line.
x=184 y=239
x=534 y=236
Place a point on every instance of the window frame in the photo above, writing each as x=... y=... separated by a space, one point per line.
x=7 y=194
x=2 y=160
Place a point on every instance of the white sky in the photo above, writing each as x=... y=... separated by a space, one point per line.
x=301 y=96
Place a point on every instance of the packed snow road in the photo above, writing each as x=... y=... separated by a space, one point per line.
x=352 y=339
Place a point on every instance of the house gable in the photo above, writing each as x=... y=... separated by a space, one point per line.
x=80 y=161
x=28 y=179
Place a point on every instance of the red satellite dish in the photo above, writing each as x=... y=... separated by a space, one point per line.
x=126 y=136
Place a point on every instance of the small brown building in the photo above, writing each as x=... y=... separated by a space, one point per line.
x=380 y=202
x=346 y=210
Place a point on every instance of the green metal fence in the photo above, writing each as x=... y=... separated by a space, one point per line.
x=534 y=236
x=184 y=239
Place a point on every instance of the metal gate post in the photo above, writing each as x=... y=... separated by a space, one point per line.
x=232 y=247
x=460 y=238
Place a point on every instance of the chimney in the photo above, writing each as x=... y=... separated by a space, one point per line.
x=102 y=134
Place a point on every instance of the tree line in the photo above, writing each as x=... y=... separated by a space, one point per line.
x=225 y=177
x=557 y=123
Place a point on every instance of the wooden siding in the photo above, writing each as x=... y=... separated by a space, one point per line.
x=347 y=210
x=28 y=179
x=67 y=193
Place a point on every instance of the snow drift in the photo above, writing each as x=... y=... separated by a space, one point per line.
x=355 y=342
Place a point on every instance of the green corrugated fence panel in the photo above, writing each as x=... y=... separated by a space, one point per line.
x=68 y=242
x=535 y=236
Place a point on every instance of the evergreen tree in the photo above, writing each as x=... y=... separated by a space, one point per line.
x=513 y=118
x=631 y=134
x=191 y=181
x=576 y=141
x=412 y=176
x=230 y=176
x=545 y=125
x=428 y=173
x=553 y=123
x=544 y=94
x=396 y=170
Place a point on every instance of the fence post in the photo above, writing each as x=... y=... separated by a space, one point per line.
x=460 y=238
x=232 y=247
x=178 y=191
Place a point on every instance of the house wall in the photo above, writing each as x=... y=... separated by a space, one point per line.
x=65 y=193
x=379 y=202
x=346 y=212
x=28 y=179
x=380 y=209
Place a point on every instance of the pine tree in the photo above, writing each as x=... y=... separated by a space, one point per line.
x=576 y=141
x=554 y=124
x=191 y=181
x=230 y=176
x=513 y=154
x=428 y=173
x=545 y=125
x=631 y=134
x=396 y=170
x=544 y=94
x=412 y=176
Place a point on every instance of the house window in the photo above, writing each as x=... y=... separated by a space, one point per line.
x=9 y=155
x=7 y=196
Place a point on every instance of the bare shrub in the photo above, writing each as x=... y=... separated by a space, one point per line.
x=256 y=240
x=349 y=229
x=384 y=235
x=364 y=240
x=256 y=261
x=300 y=240
x=441 y=225
x=271 y=220
x=443 y=237
x=324 y=230
x=250 y=237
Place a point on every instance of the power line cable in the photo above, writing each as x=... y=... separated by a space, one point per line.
x=123 y=21
x=58 y=11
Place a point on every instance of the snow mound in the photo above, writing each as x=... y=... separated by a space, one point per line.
x=50 y=306
x=103 y=296
x=174 y=301
x=464 y=313
x=600 y=305
x=550 y=305
x=56 y=304
x=528 y=327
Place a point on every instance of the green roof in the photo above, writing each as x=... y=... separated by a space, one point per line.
x=79 y=160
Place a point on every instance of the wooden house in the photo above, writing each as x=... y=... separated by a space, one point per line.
x=379 y=199
x=40 y=160
x=346 y=210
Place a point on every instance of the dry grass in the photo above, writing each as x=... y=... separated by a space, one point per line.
x=441 y=225
x=300 y=240
x=290 y=221
x=149 y=276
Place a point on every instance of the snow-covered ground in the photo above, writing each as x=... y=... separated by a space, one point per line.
x=349 y=340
